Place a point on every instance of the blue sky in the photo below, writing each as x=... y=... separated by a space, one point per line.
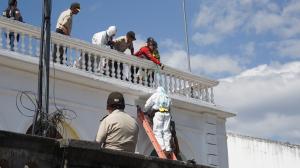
x=251 y=46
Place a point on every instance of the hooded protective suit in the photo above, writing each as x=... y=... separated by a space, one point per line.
x=104 y=38
x=160 y=103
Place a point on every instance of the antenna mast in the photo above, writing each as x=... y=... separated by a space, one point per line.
x=186 y=37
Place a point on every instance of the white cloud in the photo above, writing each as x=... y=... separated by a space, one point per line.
x=219 y=19
x=201 y=64
x=281 y=22
x=292 y=8
x=204 y=17
x=209 y=65
x=248 y=50
x=169 y=43
x=206 y=39
x=176 y=59
x=264 y=21
x=266 y=99
x=290 y=48
x=215 y=64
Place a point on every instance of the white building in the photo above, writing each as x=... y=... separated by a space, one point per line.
x=200 y=122
x=249 y=152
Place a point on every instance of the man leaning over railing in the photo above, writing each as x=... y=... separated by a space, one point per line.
x=150 y=52
x=121 y=44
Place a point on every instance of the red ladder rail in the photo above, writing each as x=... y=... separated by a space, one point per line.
x=148 y=129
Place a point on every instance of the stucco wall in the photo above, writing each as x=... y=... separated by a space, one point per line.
x=249 y=152
x=201 y=134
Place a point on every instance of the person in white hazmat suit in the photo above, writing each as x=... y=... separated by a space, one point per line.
x=103 y=39
x=159 y=103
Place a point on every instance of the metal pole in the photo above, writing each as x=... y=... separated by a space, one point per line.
x=186 y=37
x=40 y=80
x=43 y=78
x=47 y=16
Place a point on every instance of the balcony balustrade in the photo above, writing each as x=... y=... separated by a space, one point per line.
x=78 y=54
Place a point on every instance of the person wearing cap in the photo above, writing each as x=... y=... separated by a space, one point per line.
x=118 y=130
x=121 y=44
x=125 y=42
x=159 y=104
x=148 y=52
x=64 y=26
x=14 y=13
x=64 y=22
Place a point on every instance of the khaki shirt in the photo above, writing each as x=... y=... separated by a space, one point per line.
x=118 y=131
x=121 y=44
x=64 y=22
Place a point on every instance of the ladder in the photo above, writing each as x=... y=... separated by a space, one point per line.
x=148 y=129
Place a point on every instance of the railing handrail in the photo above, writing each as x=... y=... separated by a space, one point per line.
x=186 y=81
x=61 y=39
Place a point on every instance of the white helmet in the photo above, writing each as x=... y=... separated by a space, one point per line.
x=112 y=30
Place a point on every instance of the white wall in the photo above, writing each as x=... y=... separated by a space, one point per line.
x=249 y=152
x=200 y=132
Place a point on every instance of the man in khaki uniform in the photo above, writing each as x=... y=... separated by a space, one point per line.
x=64 y=26
x=125 y=42
x=118 y=130
x=122 y=44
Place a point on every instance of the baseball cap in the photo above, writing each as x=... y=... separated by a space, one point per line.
x=115 y=100
x=131 y=34
x=75 y=5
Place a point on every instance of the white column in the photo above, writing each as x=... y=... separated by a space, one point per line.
x=95 y=63
x=22 y=43
x=37 y=48
x=69 y=57
x=171 y=83
x=89 y=55
x=30 y=45
x=64 y=54
x=82 y=55
x=113 y=69
x=175 y=84
x=118 y=70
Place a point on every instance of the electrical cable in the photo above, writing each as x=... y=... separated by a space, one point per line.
x=60 y=115
x=19 y=101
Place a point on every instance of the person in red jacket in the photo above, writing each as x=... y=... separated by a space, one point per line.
x=147 y=52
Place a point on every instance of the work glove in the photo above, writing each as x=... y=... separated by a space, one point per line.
x=162 y=66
